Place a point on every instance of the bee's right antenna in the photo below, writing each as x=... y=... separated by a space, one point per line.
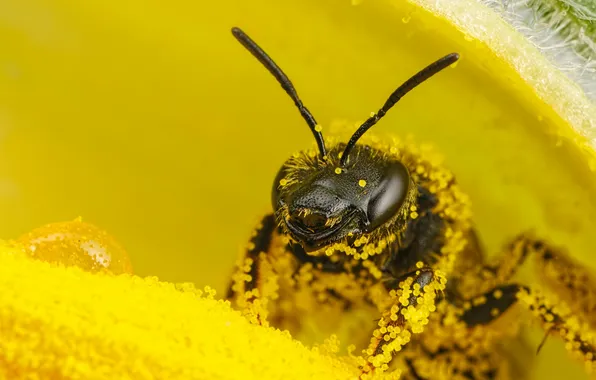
x=402 y=90
x=283 y=79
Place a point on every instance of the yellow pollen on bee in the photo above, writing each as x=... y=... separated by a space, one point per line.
x=318 y=128
x=414 y=215
x=337 y=170
x=479 y=301
x=362 y=183
x=283 y=181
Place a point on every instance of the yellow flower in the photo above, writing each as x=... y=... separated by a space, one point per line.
x=149 y=119
x=61 y=322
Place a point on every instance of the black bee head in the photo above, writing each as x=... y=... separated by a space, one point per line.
x=327 y=203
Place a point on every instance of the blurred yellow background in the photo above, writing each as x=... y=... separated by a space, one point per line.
x=149 y=120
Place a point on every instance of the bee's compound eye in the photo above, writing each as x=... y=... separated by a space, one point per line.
x=389 y=195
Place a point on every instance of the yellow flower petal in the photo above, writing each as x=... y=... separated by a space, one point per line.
x=63 y=322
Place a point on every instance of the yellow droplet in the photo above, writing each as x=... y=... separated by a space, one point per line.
x=78 y=244
x=362 y=183
x=283 y=182
x=318 y=128
x=337 y=170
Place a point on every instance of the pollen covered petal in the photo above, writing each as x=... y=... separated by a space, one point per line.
x=61 y=322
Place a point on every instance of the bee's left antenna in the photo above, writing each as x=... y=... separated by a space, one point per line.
x=285 y=82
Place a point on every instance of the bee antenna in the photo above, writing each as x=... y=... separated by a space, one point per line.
x=284 y=81
x=402 y=90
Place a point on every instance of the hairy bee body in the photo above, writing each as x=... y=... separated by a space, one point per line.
x=347 y=288
x=359 y=273
x=377 y=233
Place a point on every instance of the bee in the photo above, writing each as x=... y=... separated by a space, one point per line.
x=379 y=225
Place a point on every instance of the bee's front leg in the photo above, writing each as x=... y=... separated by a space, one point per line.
x=413 y=300
x=247 y=290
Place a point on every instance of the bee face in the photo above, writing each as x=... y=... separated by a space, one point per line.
x=319 y=203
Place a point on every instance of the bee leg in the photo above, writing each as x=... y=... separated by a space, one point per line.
x=555 y=317
x=563 y=275
x=573 y=283
x=246 y=287
x=485 y=308
x=413 y=301
x=470 y=339
x=569 y=307
x=481 y=279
